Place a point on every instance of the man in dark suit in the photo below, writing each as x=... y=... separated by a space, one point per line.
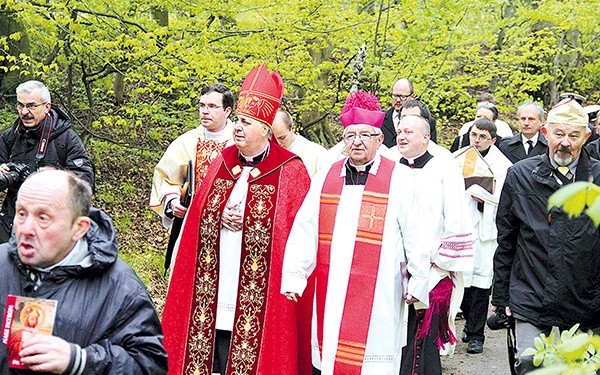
x=402 y=90
x=530 y=141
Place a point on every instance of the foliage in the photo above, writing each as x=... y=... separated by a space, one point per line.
x=575 y=353
x=577 y=198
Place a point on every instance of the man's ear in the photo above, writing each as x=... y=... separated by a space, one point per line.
x=544 y=131
x=81 y=224
x=494 y=140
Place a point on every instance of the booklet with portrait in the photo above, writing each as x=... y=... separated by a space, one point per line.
x=24 y=317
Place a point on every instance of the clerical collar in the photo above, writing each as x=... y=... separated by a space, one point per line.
x=213 y=136
x=418 y=162
x=484 y=153
x=252 y=161
x=533 y=139
x=357 y=174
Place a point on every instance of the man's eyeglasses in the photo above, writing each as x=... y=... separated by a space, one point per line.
x=29 y=106
x=211 y=107
x=481 y=137
x=350 y=137
x=398 y=97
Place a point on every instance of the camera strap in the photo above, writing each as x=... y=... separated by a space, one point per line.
x=512 y=350
x=44 y=139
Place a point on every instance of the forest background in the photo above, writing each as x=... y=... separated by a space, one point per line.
x=129 y=72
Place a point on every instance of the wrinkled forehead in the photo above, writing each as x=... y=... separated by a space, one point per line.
x=566 y=128
x=359 y=128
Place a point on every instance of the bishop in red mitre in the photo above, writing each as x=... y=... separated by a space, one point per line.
x=223 y=309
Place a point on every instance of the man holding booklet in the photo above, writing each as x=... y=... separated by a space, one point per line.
x=93 y=314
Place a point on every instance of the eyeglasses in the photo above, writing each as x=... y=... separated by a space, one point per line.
x=211 y=107
x=29 y=106
x=481 y=137
x=398 y=97
x=350 y=137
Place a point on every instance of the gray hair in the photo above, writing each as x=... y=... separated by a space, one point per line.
x=538 y=108
x=29 y=86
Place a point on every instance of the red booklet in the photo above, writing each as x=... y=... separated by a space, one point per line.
x=24 y=317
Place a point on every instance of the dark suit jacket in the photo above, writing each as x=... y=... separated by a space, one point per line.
x=389 y=131
x=513 y=149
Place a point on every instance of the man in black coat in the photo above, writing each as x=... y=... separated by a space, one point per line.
x=402 y=91
x=41 y=136
x=530 y=141
x=63 y=250
x=546 y=266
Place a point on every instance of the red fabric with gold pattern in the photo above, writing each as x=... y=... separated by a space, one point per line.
x=206 y=153
x=271 y=334
x=358 y=305
x=260 y=95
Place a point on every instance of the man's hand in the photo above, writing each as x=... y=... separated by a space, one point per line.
x=45 y=353
x=232 y=218
x=291 y=296
x=178 y=210
x=507 y=310
x=3 y=168
x=410 y=299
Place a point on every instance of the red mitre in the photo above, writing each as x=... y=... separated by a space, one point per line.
x=261 y=95
x=362 y=108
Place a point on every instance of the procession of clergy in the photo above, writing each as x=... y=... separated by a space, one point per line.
x=294 y=259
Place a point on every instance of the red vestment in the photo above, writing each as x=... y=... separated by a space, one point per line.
x=271 y=335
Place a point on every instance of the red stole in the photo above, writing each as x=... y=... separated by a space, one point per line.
x=206 y=153
x=356 y=315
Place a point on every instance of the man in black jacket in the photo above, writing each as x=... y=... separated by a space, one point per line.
x=402 y=91
x=41 y=136
x=62 y=250
x=530 y=141
x=546 y=267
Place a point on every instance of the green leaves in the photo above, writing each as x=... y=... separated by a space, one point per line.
x=574 y=353
x=577 y=198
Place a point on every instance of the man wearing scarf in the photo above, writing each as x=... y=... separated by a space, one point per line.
x=41 y=136
x=358 y=233
x=223 y=305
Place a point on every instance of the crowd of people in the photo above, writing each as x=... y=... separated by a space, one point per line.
x=288 y=258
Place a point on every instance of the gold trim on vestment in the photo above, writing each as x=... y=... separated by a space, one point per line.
x=201 y=334
x=258 y=228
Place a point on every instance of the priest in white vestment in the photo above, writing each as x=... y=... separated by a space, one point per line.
x=313 y=155
x=357 y=231
x=484 y=161
x=440 y=197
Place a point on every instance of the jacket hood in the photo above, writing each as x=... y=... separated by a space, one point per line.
x=61 y=122
x=102 y=247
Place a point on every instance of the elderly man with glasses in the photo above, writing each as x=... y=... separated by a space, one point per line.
x=41 y=136
x=358 y=233
x=197 y=148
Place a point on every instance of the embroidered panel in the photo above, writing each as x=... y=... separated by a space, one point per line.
x=206 y=153
x=253 y=286
x=199 y=350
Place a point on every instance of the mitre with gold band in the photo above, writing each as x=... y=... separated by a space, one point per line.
x=260 y=96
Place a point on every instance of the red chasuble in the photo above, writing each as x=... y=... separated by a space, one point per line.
x=271 y=334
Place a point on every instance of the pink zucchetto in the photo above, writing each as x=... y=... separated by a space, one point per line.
x=362 y=108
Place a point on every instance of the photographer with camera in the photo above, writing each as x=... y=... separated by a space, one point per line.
x=546 y=265
x=41 y=136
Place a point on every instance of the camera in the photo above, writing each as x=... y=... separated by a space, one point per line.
x=499 y=320
x=17 y=173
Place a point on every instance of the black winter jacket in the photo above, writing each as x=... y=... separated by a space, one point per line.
x=19 y=144
x=547 y=265
x=104 y=308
